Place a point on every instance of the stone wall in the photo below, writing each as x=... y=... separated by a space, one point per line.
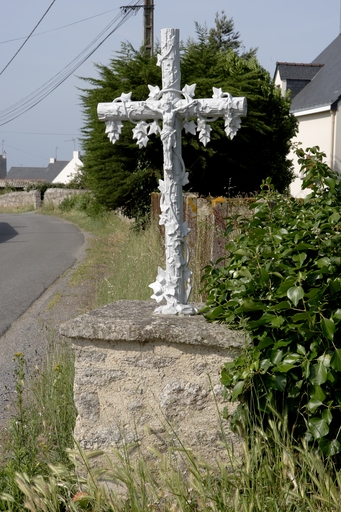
x=57 y=195
x=140 y=375
x=19 y=200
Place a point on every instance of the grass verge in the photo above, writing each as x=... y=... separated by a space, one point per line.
x=42 y=470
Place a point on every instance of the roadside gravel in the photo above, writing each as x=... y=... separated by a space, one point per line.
x=30 y=333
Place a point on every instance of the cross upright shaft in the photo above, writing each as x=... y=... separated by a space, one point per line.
x=176 y=108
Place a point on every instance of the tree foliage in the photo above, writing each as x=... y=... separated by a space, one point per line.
x=120 y=174
x=282 y=283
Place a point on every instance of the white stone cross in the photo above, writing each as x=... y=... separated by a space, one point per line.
x=176 y=109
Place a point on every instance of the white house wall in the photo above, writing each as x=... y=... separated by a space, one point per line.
x=70 y=170
x=314 y=130
x=337 y=140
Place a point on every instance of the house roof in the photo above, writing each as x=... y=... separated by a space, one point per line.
x=55 y=168
x=26 y=173
x=294 y=71
x=48 y=173
x=324 y=89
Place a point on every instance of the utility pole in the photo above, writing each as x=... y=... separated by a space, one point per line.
x=149 y=26
x=148 y=22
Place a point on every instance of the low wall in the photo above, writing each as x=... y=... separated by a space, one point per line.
x=15 y=200
x=139 y=375
x=56 y=196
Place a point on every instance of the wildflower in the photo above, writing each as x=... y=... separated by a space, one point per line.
x=82 y=498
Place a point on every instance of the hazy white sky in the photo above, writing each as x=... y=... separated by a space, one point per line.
x=290 y=30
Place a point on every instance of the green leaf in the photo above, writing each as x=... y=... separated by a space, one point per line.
x=335 y=361
x=250 y=305
x=337 y=314
x=295 y=294
x=330 y=448
x=323 y=262
x=327 y=416
x=284 y=286
x=266 y=342
x=244 y=272
x=318 y=427
x=303 y=246
x=317 y=393
x=237 y=390
x=300 y=258
x=313 y=405
x=215 y=313
x=277 y=321
x=265 y=364
x=264 y=276
x=281 y=305
x=240 y=252
x=318 y=373
x=328 y=328
x=276 y=356
x=334 y=218
x=334 y=286
x=282 y=343
x=277 y=381
x=301 y=350
x=300 y=316
x=285 y=367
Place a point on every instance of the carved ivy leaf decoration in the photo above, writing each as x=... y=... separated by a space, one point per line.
x=189 y=90
x=159 y=60
x=113 y=130
x=190 y=127
x=125 y=97
x=204 y=130
x=158 y=286
x=232 y=125
x=154 y=127
x=185 y=229
x=217 y=93
x=185 y=179
x=140 y=133
x=154 y=92
x=162 y=186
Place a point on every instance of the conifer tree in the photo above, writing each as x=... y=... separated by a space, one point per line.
x=122 y=175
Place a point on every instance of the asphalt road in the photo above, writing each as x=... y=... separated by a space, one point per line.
x=34 y=251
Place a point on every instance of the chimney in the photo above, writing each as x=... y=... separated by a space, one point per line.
x=76 y=154
x=53 y=160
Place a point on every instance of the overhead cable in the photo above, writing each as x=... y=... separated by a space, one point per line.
x=60 y=28
x=27 y=38
x=30 y=101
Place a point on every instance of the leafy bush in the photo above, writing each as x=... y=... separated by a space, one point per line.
x=83 y=203
x=283 y=284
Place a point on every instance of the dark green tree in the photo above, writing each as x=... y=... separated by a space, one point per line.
x=123 y=175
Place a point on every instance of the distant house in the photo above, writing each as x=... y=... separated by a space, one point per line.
x=316 y=100
x=58 y=171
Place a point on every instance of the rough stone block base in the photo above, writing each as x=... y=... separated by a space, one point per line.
x=150 y=379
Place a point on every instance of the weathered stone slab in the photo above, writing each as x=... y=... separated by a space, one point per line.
x=135 y=321
x=139 y=375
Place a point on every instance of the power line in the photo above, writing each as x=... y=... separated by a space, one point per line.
x=30 y=101
x=40 y=133
x=60 y=28
x=27 y=153
x=28 y=37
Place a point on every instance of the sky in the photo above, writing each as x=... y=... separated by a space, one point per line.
x=283 y=31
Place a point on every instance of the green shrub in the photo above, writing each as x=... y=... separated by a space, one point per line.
x=83 y=203
x=283 y=284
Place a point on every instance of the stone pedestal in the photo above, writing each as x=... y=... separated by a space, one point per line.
x=146 y=379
